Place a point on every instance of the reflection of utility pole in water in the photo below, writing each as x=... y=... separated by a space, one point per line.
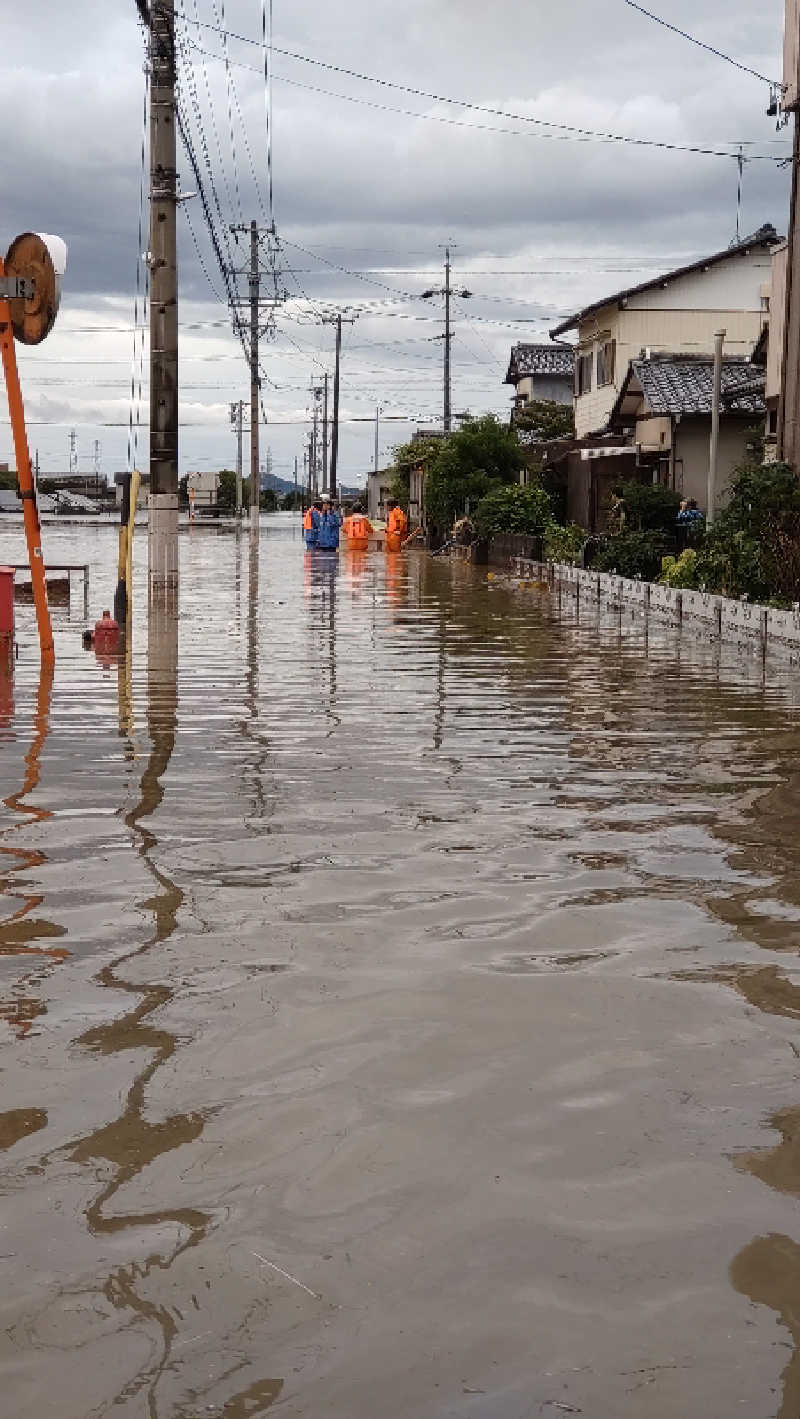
x=250 y=724
x=132 y=1141
x=163 y=522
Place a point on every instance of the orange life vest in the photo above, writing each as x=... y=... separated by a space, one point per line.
x=357 y=526
x=397 y=522
x=308 y=522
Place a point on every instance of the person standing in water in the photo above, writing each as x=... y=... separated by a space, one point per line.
x=396 y=527
x=357 y=530
x=311 y=523
x=329 y=525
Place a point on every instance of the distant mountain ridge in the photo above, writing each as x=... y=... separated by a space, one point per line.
x=275 y=484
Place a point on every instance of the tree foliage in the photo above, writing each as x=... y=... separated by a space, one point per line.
x=543 y=419
x=513 y=509
x=753 y=548
x=467 y=465
x=649 y=506
x=634 y=554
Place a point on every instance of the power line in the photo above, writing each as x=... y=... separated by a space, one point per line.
x=579 y=133
x=709 y=48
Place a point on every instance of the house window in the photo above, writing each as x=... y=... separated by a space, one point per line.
x=583 y=373
x=606 y=361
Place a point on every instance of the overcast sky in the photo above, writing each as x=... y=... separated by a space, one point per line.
x=374 y=191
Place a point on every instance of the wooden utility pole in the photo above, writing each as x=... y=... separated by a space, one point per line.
x=163 y=519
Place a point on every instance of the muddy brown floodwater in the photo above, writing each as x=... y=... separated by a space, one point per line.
x=399 y=1005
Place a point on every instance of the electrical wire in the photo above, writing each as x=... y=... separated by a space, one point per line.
x=709 y=48
x=571 y=130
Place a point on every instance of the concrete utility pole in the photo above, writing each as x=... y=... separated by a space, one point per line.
x=255 y=382
x=163 y=520
x=256 y=304
x=294 y=509
x=447 y=291
x=325 y=435
x=789 y=402
x=716 y=397
x=237 y=412
x=447 y=339
x=337 y=320
x=377 y=434
x=335 y=434
x=316 y=395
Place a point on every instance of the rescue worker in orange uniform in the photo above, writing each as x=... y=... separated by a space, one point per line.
x=357 y=530
x=396 y=528
x=311 y=523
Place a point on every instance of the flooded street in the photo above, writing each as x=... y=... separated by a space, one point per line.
x=399 y=997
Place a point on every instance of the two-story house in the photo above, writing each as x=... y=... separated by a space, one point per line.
x=677 y=312
x=541 y=372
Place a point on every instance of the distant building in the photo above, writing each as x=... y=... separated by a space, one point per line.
x=379 y=491
x=541 y=372
x=84 y=485
x=203 y=489
x=144 y=489
x=677 y=312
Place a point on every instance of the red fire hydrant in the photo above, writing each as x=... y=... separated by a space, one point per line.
x=6 y=609
x=106 y=635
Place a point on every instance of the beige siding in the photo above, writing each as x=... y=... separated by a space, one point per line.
x=654 y=433
x=777 y=319
x=679 y=318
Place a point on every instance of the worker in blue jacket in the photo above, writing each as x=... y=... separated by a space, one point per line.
x=329 y=525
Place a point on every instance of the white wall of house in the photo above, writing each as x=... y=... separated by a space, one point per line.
x=692 y=441
x=545 y=386
x=681 y=317
x=777 y=320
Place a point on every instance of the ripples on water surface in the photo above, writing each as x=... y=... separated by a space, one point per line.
x=398 y=1005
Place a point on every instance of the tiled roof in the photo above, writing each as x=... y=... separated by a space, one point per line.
x=540 y=359
x=765 y=236
x=680 y=384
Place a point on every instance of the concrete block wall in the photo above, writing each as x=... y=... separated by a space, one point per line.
x=755 y=628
